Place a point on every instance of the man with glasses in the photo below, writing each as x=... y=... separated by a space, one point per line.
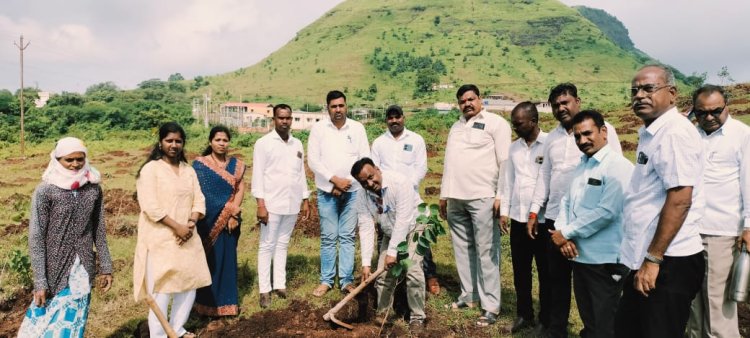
x=663 y=209
x=727 y=184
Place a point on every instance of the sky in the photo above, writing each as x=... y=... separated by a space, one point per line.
x=78 y=43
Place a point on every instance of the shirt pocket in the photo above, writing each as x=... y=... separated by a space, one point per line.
x=408 y=156
x=592 y=193
x=478 y=138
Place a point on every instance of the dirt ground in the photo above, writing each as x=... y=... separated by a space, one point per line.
x=12 y=311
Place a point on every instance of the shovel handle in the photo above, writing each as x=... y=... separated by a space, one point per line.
x=162 y=320
x=352 y=294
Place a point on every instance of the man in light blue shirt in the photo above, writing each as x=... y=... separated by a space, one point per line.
x=590 y=225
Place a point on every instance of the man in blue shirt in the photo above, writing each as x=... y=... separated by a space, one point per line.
x=590 y=225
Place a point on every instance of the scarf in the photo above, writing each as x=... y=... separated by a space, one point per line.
x=59 y=176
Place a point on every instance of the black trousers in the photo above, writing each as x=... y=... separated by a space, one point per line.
x=560 y=271
x=523 y=251
x=597 y=288
x=664 y=313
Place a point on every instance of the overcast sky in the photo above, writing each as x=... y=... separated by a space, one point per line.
x=77 y=43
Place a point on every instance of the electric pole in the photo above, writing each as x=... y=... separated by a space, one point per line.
x=21 y=48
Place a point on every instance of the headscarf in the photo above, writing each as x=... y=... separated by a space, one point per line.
x=65 y=178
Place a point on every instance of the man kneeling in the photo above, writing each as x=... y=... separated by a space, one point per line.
x=391 y=200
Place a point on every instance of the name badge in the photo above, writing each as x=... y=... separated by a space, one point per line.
x=642 y=158
x=299 y=154
x=408 y=147
x=593 y=181
x=539 y=159
x=478 y=125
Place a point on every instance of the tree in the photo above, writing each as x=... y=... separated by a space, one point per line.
x=426 y=78
x=696 y=80
x=105 y=92
x=175 y=77
x=152 y=84
x=8 y=102
x=723 y=74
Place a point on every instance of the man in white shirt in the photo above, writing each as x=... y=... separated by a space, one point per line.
x=475 y=156
x=333 y=146
x=561 y=156
x=727 y=184
x=402 y=150
x=663 y=209
x=390 y=200
x=590 y=225
x=520 y=178
x=280 y=187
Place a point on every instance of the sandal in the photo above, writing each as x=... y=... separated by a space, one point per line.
x=460 y=305
x=188 y=335
x=487 y=319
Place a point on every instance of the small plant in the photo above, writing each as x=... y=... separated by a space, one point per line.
x=433 y=229
x=21 y=265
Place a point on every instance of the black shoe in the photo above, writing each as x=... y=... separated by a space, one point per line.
x=265 y=300
x=519 y=324
x=486 y=319
x=281 y=293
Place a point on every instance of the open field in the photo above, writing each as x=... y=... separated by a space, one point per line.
x=115 y=314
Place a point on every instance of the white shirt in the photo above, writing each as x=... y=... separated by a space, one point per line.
x=398 y=216
x=279 y=173
x=475 y=157
x=406 y=155
x=332 y=151
x=669 y=155
x=561 y=156
x=727 y=179
x=521 y=173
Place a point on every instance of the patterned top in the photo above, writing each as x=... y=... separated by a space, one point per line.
x=63 y=225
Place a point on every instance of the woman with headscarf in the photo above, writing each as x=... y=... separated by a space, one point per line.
x=67 y=222
x=169 y=260
x=220 y=177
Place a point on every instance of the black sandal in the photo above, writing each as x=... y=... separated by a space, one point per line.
x=487 y=319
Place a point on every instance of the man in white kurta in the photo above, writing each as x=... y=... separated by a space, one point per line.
x=727 y=184
x=475 y=155
x=280 y=187
x=404 y=151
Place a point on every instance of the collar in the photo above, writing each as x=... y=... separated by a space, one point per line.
x=478 y=116
x=724 y=130
x=275 y=135
x=539 y=139
x=404 y=134
x=345 y=126
x=662 y=120
x=386 y=182
x=599 y=156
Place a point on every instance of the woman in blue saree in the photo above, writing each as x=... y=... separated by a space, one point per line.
x=220 y=177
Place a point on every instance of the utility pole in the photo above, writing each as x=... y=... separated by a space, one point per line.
x=21 y=48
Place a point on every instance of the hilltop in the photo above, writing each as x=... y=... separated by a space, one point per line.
x=381 y=52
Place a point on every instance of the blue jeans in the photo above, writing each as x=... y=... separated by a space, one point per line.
x=338 y=219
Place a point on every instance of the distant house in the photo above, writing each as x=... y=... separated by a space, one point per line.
x=42 y=100
x=504 y=103
x=302 y=120
x=443 y=107
x=246 y=116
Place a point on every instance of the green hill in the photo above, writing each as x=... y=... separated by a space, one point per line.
x=382 y=52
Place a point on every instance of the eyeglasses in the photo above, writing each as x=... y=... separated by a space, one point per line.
x=649 y=89
x=699 y=114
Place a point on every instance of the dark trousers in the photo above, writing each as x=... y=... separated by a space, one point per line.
x=560 y=271
x=597 y=288
x=428 y=265
x=523 y=250
x=664 y=313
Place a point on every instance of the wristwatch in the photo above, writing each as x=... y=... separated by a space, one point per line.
x=653 y=259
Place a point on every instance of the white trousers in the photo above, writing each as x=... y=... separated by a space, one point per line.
x=274 y=242
x=182 y=303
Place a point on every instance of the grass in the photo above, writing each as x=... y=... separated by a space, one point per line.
x=118 y=158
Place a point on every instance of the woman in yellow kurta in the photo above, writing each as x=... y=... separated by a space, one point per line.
x=169 y=259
